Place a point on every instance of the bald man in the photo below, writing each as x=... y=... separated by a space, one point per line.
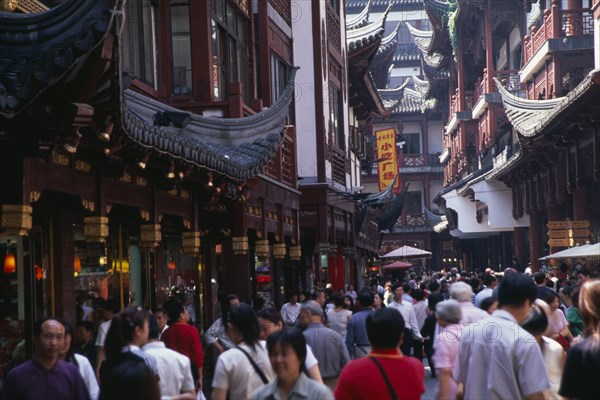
x=45 y=376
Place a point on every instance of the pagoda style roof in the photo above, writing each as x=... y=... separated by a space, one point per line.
x=527 y=116
x=388 y=216
x=369 y=35
x=392 y=97
x=431 y=45
x=437 y=11
x=382 y=63
x=411 y=102
x=434 y=74
x=360 y=19
x=382 y=4
x=406 y=52
x=236 y=147
x=45 y=57
x=422 y=86
x=41 y=50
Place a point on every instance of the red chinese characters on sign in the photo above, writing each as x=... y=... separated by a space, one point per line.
x=387 y=168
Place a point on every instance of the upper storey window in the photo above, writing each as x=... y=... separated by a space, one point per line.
x=229 y=49
x=181 y=46
x=140 y=41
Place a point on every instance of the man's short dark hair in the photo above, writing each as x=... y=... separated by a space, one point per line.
x=539 y=277
x=153 y=329
x=365 y=298
x=418 y=294
x=433 y=286
x=385 y=327
x=87 y=325
x=515 y=289
x=489 y=279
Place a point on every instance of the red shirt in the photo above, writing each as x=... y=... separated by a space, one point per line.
x=184 y=339
x=361 y=379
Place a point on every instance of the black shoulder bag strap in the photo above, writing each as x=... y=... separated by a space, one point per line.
x=387 y=381
x=256 y=367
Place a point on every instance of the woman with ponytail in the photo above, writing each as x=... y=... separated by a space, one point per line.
x=127 y=334
x=241 y=370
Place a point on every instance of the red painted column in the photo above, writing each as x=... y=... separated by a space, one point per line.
x=575 y=19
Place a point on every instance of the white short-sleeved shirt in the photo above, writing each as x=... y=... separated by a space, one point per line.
x=235 y=373
x=497 y=359
x=88 y=375
x=173 y=370
x=102 y=331
x=311 y=360
x=445 y=352
x=338 y=320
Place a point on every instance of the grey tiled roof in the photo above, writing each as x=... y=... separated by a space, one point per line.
x=236 y=147
x=367 y=34
x=360 y=19
x=40 y=50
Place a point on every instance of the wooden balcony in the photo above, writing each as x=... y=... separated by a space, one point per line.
x=419 y=163
x=337 y=157
x=412 y=223
x=558 y=23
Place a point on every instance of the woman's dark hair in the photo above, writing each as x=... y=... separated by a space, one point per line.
x=243 y=317
x=129 y=380
x=433 y=299
x=385 y=327
x=418 y=294
x=271 y=314
x=536 y=322
x=487 y=302
x=69 y=331
x=338 y=300
x=122 y=329
x=289 y=338
x=575 y=297
x=382 y=305
x=549 y=296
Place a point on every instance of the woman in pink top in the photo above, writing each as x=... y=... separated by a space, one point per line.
x=448 y=314
x=558 y=327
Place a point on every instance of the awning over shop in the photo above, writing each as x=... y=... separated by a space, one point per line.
x=407 y=252
x=587 y=251
x=397 y=265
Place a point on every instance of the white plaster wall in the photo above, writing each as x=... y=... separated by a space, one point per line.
x=305 y=95
x=434 y=188
x=597 y=44
x=498 y=197
x=435 y=131
x=407 y=71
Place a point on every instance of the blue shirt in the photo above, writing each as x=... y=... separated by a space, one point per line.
x=329 y=349
x=356 y=335
x=31 y=380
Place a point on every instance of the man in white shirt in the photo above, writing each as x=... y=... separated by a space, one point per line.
x=496 y=358
x=490 y=282
x=463 y=293
x=291 y=310
x=411 y=331
x=173 y=368
x=161 y=320
x=108 y=309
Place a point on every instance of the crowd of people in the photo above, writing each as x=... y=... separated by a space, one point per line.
x=488 y=335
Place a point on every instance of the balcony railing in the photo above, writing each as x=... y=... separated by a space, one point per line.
x=557 y=23
x=338 y=165
x=419 y=160
x=412 y=221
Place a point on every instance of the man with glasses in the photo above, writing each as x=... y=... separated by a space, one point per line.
x=45 y=376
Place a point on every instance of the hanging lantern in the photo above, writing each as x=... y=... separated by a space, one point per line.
x=150 y=236
x=261 y=247
x=191 y=243
x=172 y=265
x=95 y=229
x=295 y=252
x=10 y=264
x=240 y=245
x=77 y=264
x=279 y=251
x=16 y=219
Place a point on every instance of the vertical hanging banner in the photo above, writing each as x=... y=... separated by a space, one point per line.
x=387 y=168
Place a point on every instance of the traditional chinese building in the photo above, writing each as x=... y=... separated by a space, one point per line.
x=134 y=166
x=417 y=120
x=518 y=133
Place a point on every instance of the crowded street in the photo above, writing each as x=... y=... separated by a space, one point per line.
x=299 y=199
